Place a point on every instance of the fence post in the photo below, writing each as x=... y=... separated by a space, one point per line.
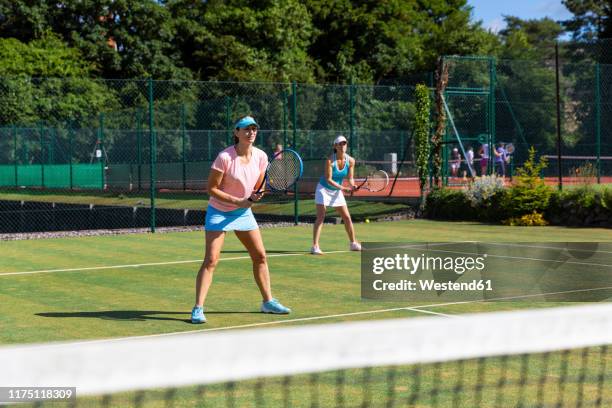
x=102 y=153
x=183 y=131
x=559 y=175
x=15 y=154
x=228 y=120
x=598 y=119
x=139 y=119
x=152 y=155
x=491 y=141
x=285 y=114
x=71 y=151
x=351 y=116
x=209 y=145
x=42 y=155
x=294 y=146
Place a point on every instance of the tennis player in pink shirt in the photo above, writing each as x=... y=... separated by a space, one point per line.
x=233 y=177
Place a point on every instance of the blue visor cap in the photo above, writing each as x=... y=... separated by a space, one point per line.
x=246 y=122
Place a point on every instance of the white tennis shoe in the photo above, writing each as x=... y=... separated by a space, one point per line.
x=315 y=250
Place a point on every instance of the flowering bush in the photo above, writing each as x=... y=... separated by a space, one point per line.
x=535 y=219
x=481 y=191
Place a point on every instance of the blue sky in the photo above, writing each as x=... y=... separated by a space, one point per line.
x=491 y=12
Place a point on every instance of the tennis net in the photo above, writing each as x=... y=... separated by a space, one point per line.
x=580 y=169
x=552 y=357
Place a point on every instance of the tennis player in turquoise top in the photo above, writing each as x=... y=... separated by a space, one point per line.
x=329 y=193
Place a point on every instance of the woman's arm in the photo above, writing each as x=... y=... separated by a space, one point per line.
x=214 y=190
x=257 y=196
x=351 y=175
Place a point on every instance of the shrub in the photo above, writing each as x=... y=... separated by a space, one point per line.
x=535 y=219
x=606 y=198
x=484 y=195
x=448 y=204
x=482 y=189
x=529 y=193
x=581 y=206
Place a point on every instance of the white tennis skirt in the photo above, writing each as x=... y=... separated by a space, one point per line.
x=329 y=198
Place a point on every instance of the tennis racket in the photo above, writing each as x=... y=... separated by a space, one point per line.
x=375 y=181
x=509 y=148
x=283 y=171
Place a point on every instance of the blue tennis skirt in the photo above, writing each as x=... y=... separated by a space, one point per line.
x=241 y=219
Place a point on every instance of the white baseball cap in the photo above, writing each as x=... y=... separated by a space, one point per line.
x=339 y=139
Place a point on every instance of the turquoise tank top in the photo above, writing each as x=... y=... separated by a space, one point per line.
x=337 y=175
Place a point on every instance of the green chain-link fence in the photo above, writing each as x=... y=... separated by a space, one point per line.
x=80 y=153
x=494 y=101
x=91 y=160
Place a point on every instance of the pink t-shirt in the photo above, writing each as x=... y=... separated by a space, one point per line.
x=239 y=179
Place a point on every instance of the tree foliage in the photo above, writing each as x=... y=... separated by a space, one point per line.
x=422 y=127
x=592 y=19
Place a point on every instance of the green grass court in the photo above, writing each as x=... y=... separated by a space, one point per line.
x=143 y=284
x=83 y=288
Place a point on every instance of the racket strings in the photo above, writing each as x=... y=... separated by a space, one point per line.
x=284 y=171
x=377 y=181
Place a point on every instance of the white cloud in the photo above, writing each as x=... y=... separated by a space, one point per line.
x=553 y=9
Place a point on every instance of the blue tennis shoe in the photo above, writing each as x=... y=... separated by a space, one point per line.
x=275 y=307
x=197 y=315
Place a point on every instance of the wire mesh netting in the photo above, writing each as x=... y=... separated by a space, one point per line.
x=97 y=144
x=556 y=357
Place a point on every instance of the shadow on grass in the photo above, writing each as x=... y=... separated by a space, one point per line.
x=134 y=315
x=243 y=251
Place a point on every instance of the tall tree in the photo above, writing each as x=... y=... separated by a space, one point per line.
x=122 y=38
x=529 y=39
x=592 y=19
x=244 y=40
x=369 y=41
x=45 y=80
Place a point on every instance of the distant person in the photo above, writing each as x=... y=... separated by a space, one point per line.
x=455 y=162
x=329 y=194
x=277 y=149
x=500 y=160
x=484 y=158
x=469 y=159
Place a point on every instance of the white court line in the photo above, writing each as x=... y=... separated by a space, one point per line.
x=304 y=319
x=97 y=268
x=513 y=297
x=250 y=325
x=413 y=308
